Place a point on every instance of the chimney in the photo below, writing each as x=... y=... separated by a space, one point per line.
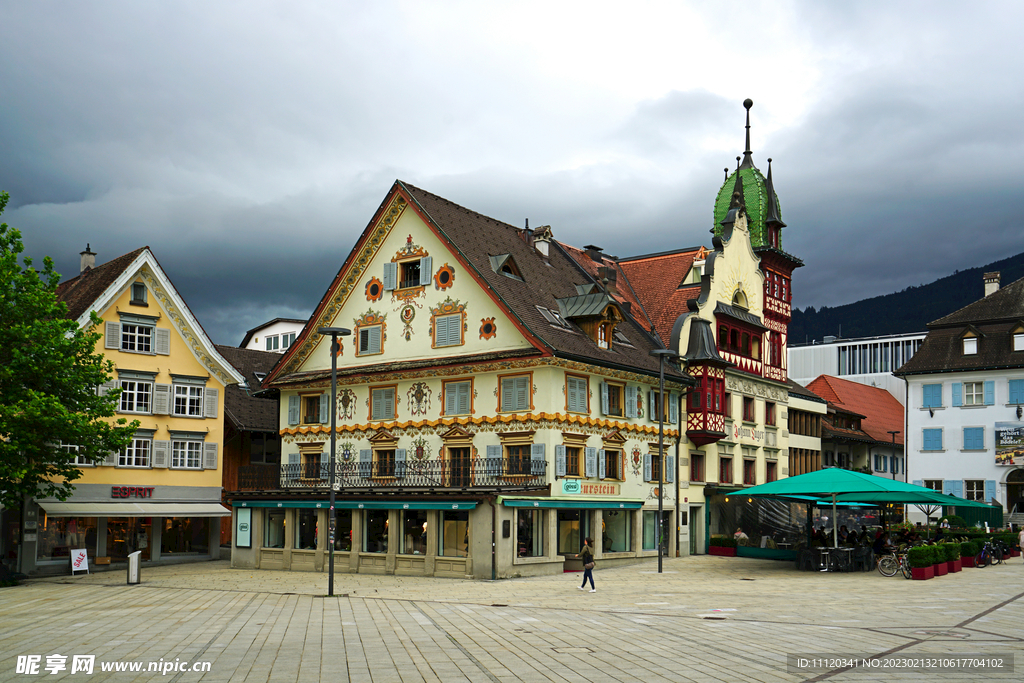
x=991 y=283
x=89 y=260
x=609 y=278
x=542 y=240
x=594 y=252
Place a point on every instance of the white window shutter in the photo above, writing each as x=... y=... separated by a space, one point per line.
x=161 y=453
x=601 y=464
x=591 y=462
x=112 y=337
x=161 y=399
x=390 y=276
x=110 y=460
x=293 y=410
x=325 y=408
x=630 y=401
x=426 y=267
x=162 y=347
x=105 y=388
x=560 y=460
x=670 y=469
x=647 y=466
x=210 y=456
x=604 y=398
x=210 y=398
x=399 y=463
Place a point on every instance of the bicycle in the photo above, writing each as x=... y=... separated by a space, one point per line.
x=895 y=562
x=989 y=554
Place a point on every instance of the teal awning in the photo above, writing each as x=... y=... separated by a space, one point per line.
x=573 y=503
x=357 y=505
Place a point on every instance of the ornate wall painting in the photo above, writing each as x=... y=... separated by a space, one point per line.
x=374 y=290
x=444 y=277
x=488 y=330
x=419 y=395
x=346 y=404
x=407 y=313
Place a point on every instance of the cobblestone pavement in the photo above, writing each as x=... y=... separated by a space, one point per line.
x=704 y=619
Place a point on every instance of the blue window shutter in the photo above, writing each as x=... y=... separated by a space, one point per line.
x=630 y=401
x=399 y=463
x=932 y=440
x=375 y=340
x=365 y=463
x=325 y=408
x=441 y=330
x=958 y=394
x=947 y=486
x=673 y=407
x=293 y=410
x=604 y=398
x=670 y=469
x=426 y=268
x=560 y=460
x=957 y=488
x=493 y=466
x=932 y=396
x=590 y=461
x=522 y=391
x=390 y=276
x=507 y=394
x=647 y=466
x=917 y=482
x=601 y=464
x=1016 y=391
x=990 y=393
x=294 y=465
x=389 y=403
x=990 y=490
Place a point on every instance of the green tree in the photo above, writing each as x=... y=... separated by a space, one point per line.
x=49 y=374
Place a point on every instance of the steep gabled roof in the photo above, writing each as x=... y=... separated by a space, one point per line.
x=656 y=279
x=245 y=411
x=250 y=333
x=881 y=412
x=79 y=293
x=1004 y=304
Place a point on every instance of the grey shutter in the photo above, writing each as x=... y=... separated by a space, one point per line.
x=455 y=330
x=604 y=398
x=161 y=399
x=590 y=460
x=105 y=388
x=630 y=401
x=441 y=330
x=209 y=456
x=210 y=397
x=538 y=457
x=647 y=466
x=161 y=453
x=293 y=410
x=377 y=403
x=522 y=393
x=292 y=468
x=673 y=407
x=390 y=276
x=507 y=393
x=652 y=413
x=670 y=469
x=463 y=398
x=601 y=464
x=399 y=463
x=365 y=462
x=426 y=267
x=112 y=337
x=493 y=466
x=451 y=398
x=958 y=394
x=110 y=460
x=325 y=467
x=325 y=408
x=560 y=460
x=389 y=403
x=374 y=341
x=162 y=346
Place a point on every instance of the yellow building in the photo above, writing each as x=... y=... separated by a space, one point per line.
x=161 y=495
x=492 y=392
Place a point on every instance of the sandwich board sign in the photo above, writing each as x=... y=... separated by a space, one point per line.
x=79 y=561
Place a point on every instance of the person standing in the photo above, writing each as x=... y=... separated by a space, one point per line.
x=587 y=555
x=1020 y=540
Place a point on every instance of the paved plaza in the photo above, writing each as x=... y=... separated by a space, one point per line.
x=704 y=619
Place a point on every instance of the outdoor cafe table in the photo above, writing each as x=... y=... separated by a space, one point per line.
x=827 y=559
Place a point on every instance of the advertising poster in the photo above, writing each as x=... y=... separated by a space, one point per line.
x=1009 y=443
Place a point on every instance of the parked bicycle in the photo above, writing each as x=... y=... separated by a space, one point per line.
x=991 y=553
x=894 y=562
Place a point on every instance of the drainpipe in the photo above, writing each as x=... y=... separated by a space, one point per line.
x=494 y=531
x=679 y=438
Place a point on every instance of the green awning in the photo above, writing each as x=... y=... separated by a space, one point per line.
x=357 y=505
x=573 y=503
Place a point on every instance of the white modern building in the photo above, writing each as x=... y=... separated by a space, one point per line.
x=867 y=360
x=276 y=335
x=965 y=433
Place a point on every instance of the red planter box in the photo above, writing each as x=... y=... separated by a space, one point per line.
x=719 y=550
x=921 y=573
x=953 y=566
x=940 y=569
x=967 y=561
x=1014 y=553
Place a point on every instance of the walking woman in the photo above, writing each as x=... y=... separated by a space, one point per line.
x=587 y=555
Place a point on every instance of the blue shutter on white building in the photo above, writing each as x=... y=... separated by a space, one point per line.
x=990 y=393
x=990 y=490
x=560 y=460
x=1016 y=391
x=958 y=394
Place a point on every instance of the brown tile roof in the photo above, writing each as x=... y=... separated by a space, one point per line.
x=881 y=412
x=994 y=317
x=241 y=408
x=803 y=392
x=80 y=292
x=656 y=280
x=479 y=237
x=624 y=291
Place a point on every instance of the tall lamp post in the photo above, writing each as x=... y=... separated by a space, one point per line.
x=893 y=434
x=334 y=333
x=662 y=354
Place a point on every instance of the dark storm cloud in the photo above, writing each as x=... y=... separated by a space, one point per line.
x=250 y=143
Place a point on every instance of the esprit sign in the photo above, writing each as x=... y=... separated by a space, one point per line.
x=131 y=491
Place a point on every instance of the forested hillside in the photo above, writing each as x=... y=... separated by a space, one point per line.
x=906 y=311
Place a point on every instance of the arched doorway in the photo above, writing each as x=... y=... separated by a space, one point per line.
x=1015 y=490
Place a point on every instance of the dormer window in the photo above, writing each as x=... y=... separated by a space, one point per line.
x=970 y=346
x=1018 y=338
x=504 y=264
x=602 y=336
x=138 y=294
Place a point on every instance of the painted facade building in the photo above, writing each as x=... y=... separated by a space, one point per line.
x=965 y=389
x=492 y=394
x=160 y=495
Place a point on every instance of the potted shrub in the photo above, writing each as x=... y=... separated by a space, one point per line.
x=920 y=558
x=952 y=551
x=722 y=545
x=939 y=560
x=968 y=549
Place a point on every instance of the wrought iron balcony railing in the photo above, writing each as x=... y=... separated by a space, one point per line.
x=477 y=473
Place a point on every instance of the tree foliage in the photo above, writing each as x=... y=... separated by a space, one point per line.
x=49 y=374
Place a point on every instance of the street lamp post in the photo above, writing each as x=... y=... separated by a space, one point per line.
x=671 y=355
x=334 y=333
x=894 y=433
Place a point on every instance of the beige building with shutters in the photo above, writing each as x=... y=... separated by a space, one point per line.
x=160 y=495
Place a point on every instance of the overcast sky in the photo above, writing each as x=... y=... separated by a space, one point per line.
x=249 y=143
